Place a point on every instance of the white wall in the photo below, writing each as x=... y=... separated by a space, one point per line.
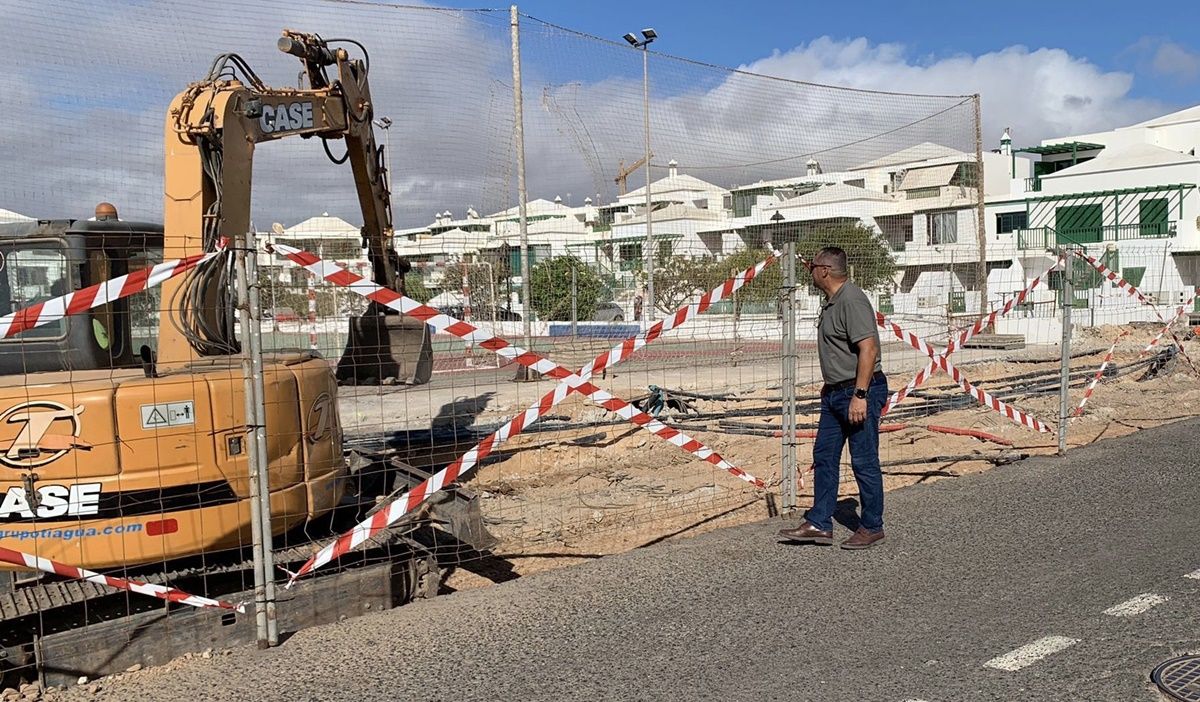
x=1064 y=183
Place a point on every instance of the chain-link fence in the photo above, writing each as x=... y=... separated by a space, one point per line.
x=497 y=340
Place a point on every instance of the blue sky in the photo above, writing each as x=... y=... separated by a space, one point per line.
x=1047 y=72
x=1114 y=36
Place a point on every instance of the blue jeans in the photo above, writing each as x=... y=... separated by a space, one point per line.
x=833 y=431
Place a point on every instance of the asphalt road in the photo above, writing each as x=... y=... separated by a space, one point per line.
x=1048 y=554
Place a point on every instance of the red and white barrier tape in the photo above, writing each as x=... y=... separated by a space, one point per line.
x=162 y=592
x=1134 y=292
x=944 y=363
x=1087 y=394
x=468 y=332
x=617 y=354
x=1178 y=313
x=963 y=338
x=1116 y=278
x=99 y=294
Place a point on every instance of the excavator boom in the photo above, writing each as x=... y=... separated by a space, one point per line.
x=212 y=130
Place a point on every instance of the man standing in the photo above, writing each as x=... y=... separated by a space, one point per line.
x=852 y=398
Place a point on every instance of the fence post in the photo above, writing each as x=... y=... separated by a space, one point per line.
x=313 y=344
x=574 y=304
x=981 y=269
x=736 y=310
x=523 y=373
x=255 y=447
x=468 y=359
x=1064 y=393
x=788 y=445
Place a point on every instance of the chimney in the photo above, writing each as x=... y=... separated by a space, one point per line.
x=812 y=168
x=672 y=168
x=1006 y=149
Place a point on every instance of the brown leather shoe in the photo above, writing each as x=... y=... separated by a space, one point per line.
x=862 y=539
x=806 y=533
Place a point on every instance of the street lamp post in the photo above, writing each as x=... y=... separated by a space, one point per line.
x=648 y=36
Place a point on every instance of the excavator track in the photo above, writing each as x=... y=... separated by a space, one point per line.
x=47 y=595
x=449 y=524
x=46 y=598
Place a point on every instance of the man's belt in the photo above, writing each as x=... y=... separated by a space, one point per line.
x=831 y=387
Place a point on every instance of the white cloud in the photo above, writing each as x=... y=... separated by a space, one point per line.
x=1174 y=60
x=1162 y=57
x=86 y=96
x=1040 y=93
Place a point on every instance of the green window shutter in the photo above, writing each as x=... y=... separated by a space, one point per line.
x=885 y=304
x=1083 y=224
x=1134 y=276
x=1084 y=277
x=1111 y=260
x=1152 y=215
x=958 y=302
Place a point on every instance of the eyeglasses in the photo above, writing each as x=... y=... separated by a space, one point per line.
x=810 y=266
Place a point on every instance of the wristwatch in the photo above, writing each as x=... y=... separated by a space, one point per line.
x=860 y=393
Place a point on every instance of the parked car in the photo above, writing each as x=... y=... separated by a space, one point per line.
x=482 y=313
x=282 y=314
x=608 y=312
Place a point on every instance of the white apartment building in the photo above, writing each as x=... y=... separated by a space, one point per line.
x=327 y=236
x=1126 y=196
x=921 y=200
x=683 y=208
x=8 y=216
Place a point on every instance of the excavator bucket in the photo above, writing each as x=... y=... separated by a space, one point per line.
x=386 y=346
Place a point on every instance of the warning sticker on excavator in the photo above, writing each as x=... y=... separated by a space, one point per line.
x=168 y=414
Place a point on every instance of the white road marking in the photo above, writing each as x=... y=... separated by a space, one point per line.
x=1031 y=653
x=1194 y=575
x=1135 y=605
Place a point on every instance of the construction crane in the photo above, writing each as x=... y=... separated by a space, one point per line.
x=623 y=173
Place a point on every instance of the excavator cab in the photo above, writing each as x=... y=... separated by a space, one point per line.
x=44 y=259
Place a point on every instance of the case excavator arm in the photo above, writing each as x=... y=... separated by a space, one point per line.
x=212 y=129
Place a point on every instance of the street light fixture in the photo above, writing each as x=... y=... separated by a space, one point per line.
x=775 y=220
x=648 y=36
x=385 y=123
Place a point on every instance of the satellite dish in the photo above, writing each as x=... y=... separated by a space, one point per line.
x=277 y=228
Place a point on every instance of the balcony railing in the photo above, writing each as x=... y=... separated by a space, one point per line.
x=1033 y=185
x=1048 y=237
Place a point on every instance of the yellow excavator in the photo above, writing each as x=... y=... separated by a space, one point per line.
x=122 y=445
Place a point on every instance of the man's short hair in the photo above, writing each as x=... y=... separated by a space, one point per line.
x=835 y=257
